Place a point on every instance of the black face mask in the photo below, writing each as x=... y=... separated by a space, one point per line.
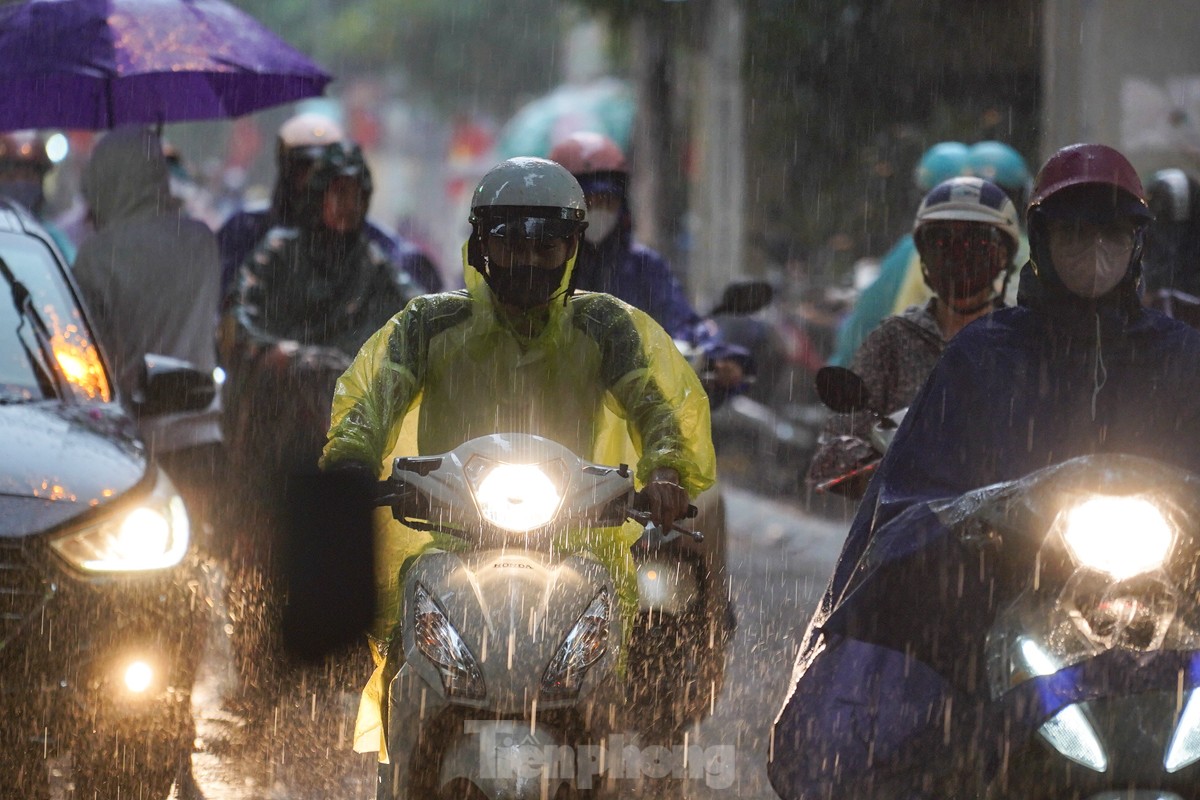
x=525 y=286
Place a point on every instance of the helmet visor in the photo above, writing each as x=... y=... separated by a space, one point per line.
x=1097 y=203
x=962 y=259
x=963 y=240
x=511 y=229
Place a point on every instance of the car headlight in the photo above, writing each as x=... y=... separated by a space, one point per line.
x=582 y=648
x=152 y=534
x=1121 y=536
x=517 y=497
x=440 y=642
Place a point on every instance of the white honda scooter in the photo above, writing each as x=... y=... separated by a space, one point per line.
x=510 y=643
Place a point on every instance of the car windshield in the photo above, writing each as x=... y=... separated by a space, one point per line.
x=75 y=353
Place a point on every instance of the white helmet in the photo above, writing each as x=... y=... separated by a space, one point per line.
x=967 y=199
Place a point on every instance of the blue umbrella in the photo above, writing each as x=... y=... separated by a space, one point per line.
x=94 y=64
x=604 y=106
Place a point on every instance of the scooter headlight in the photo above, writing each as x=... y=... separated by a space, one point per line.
x=1068 y=731
x=1120 y=536
x=584 y=646
x=1184 y=749
x=149 y=535
x=440 y=642
x=517 y=497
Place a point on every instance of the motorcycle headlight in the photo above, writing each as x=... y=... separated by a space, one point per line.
x=1068 y=731
x=152 y=534
x=583 y=647
x=517 y=497
x=1120 y=536
x=439 y=641
x=1184 y=749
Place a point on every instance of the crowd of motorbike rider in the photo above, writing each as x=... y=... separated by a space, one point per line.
x=322 y=310
x=1079 y=366
x=341 y=349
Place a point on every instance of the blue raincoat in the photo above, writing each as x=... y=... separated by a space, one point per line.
x=1054 y=378
x=638 y=275
x=641 y=277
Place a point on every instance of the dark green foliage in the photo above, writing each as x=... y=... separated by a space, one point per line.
x=844 y=97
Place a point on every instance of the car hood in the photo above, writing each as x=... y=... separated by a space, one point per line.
x=62 y=459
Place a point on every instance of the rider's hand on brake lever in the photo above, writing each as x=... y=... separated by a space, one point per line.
x=666 y=499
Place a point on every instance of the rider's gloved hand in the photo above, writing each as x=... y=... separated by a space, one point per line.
x=667 y=500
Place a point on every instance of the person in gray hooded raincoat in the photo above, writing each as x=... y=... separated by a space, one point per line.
x=150 y=278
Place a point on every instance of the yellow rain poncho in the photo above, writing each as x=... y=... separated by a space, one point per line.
x=598 y=376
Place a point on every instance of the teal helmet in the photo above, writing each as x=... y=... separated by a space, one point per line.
x=1000 y=164
x=943 y=161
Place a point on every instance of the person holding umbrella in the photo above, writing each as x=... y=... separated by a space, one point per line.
x=149 y=276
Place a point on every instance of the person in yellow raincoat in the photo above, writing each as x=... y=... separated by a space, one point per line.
x=519 y=351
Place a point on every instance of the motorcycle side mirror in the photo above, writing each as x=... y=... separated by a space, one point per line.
x=169 y=385
x=744 y=297
x=842 y=390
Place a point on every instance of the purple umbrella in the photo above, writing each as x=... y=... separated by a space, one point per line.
x=92 y=64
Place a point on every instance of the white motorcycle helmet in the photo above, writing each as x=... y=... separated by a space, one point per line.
x=973 y=200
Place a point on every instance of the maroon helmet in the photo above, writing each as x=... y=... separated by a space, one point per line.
x=1094 y=164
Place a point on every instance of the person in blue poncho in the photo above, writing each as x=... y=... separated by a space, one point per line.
x=612 y=261
x=1077 y=368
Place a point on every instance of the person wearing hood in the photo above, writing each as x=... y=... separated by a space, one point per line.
x=301 y=142
x=519 y=351
x=612 y=261
x=148 y=277
x=1078 y=367
x=305 y=300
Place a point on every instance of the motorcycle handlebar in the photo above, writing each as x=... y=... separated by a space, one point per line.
x=640 y=504
x=388 y=493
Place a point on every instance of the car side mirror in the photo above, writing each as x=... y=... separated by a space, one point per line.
x=170 y=386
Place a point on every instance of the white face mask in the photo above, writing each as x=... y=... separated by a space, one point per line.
x=1091 y=266
x=601 y=222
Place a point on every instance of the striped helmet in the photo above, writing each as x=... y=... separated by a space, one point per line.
x=969 y=199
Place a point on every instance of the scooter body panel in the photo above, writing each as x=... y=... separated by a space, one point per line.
x=513 y=609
